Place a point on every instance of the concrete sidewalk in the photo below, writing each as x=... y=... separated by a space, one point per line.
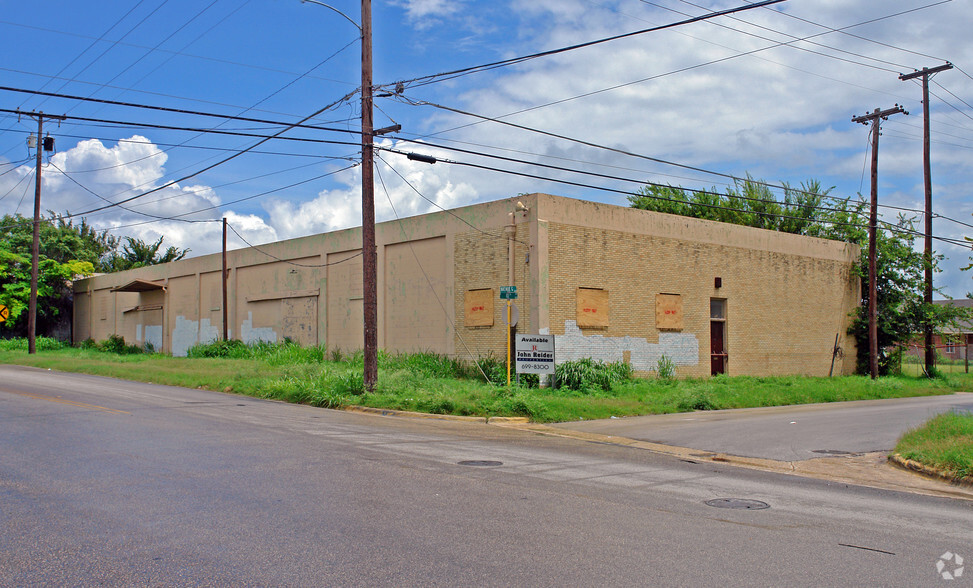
x=845 y=442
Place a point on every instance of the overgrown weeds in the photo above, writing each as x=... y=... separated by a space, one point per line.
x=428 y=382
x=944 y=443
x=586 y=375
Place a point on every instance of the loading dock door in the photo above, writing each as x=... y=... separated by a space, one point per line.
x=299 y=320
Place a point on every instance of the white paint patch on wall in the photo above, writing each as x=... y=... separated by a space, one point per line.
x=208 y=332
x=681 y=348
x=138 y=333
x=188 y=333
x=249 y=335
x=153 y=336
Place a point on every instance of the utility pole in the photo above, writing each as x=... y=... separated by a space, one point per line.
x=369 y=251
x=42 y=145
x=225 y=273
x=927 y=177
x=875 y=119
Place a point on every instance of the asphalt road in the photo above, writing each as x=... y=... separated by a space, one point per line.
x=112 y=483
x=786 y=433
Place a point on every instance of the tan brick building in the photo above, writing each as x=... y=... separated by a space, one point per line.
x=609 y=282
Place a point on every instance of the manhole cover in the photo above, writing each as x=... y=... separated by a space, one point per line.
x=481 y=463
x=737 y=503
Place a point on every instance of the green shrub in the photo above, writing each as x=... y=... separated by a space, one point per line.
x=665 y=368
x=40 y=343
x=116 y=344
x=586 y=374
x=493 y=367
x=697 y=401
x=288 y=353
x=224 y=349
x=352 y=384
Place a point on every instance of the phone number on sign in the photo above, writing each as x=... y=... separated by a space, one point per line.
x=535 y=366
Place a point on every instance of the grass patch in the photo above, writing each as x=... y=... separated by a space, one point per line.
x=427 y=382
x=944 y=443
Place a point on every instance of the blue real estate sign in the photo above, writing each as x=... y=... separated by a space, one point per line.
x=535 y=354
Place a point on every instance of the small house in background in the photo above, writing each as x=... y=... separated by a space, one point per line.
x=610 y=282
x=953 y=344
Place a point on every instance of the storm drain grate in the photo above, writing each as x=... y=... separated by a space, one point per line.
x=737 y=503
x=483 y=463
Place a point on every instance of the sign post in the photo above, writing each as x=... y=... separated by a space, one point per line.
x=508 y=293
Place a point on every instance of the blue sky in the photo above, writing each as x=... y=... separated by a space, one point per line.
x=734 y=95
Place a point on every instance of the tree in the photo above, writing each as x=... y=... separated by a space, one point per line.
x=62 y=244
x=137 y=253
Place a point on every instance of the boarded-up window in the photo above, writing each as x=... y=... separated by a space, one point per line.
x=478 y=308
x=668 y=312
x=592 y=308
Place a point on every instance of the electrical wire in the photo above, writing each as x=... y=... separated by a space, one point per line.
x=795 y=39
x=843 y=30
x=290 y=125
x=238 y=200
x=889 y=226
x=619 y=151
x=209 y=167
x=436 y=204
x=432 y=288
x=425 y=80
x=294 y=263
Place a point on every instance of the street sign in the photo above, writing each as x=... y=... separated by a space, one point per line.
x=535 y=354
x=4 y=313
x=508 y=292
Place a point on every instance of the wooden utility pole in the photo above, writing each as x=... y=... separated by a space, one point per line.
x=35 y=247
x=369 y=251
x=927 y=177
x=874 y=119
x=225 y=274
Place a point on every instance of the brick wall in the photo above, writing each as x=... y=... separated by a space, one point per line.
x=783 y=310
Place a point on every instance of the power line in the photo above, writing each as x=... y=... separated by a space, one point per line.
x=613 y=149
x=222 y=161
x=175 y=53
x=748 y=179
x=424 y=80
x=791 y=44
x=844 y=31
x=888 y=225
x=148 y=92
x=238 y=200
x=442 y=306
x=272 y=256
x=433 y=202
x=168 y=109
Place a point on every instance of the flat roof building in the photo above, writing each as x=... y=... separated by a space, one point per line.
x=610 y=282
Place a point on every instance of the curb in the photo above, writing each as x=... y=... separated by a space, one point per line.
x=497 y=420
x=414 y=415
x=928 y=471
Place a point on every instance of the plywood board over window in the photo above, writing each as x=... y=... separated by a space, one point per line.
x=593 y=308
x=478 y=308
x=668 y=312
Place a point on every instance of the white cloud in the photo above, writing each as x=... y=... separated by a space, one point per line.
x=427 y=13
x=341 y=208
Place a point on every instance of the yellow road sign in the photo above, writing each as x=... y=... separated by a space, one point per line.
x=4 y=313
